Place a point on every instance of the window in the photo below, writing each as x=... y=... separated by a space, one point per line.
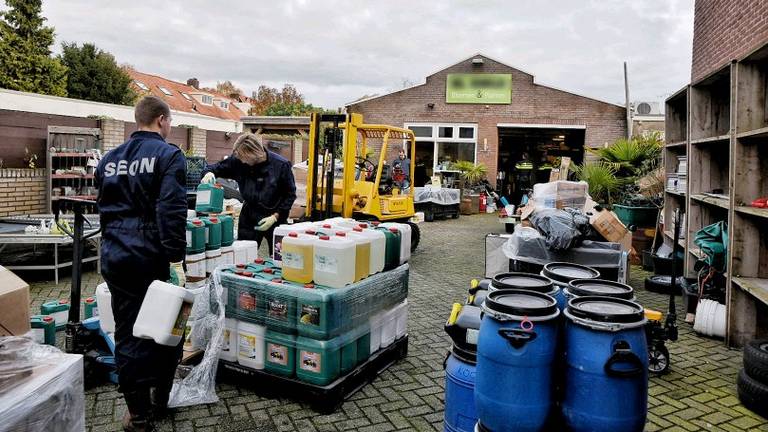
x=208 y=99
x=186 y=96
x=141 y=85
x=165 y=91
x=439 y=145
x=422 y=131
x=445 y=132
x=466 y=132
x=224 y=105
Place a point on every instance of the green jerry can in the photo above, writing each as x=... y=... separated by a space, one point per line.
x=43 y=329
x=348 y=356
x=195 y=236
x=363 y=347
x=313 y=312
x=280 y=306
x=90 y=309
x=210 y=198
x=280 y=353
x=392 y=254
x=227 y=230
x=212 y=233
x=318 y=362
x=58 y=309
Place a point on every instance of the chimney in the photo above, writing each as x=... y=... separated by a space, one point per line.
x=194 y=83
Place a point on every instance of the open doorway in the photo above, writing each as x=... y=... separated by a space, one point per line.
x=528 y=154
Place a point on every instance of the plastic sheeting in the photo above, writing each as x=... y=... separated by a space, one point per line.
x=41 y=388
x=199 y=386
x=563 y=229
x=440 y=196
x=560 y=194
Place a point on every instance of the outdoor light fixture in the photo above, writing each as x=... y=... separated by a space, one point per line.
x=431 y=105
x=477 y=61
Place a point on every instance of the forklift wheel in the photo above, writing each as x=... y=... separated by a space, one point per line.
x=415 y=236
x=658 y=360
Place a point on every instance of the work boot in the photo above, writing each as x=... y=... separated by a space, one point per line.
x=137 y=418
x=159 y=399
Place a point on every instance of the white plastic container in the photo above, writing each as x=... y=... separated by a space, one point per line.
x=250 y=345
x=191 y=214
x=378 y=247
x=364 y=245
x=405 y=240
x=196 y=265
x=277 y=242
x=375 y=322
x=194 y=284
x=245 y=251
x=389 y=327
x=229 y=347
x=334 y=261
x=401 y=317
x=212 y=258
x=163 y=314
x=227 y=255
x=104 y=303
x=298 y=257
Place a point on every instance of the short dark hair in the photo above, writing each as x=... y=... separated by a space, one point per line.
x=150 y=108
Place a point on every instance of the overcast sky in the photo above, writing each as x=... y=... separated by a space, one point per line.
x=337 y=51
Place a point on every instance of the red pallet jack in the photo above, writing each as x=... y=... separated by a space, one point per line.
x=84 y=337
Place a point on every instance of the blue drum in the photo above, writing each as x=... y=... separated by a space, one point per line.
x=563 y=273
x=606 y=385
x=463 y=328
x=525 y=281
x=515 y=352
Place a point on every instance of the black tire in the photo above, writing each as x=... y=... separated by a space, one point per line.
x=658 y=360
x=752 y=394
x=756 y=360
x=415 y=235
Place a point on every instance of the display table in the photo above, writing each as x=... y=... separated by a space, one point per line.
x=437 y=202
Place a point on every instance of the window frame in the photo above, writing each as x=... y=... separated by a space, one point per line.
x=436 y=139
x=165 y=90
x=186 y=96
x=141 y=85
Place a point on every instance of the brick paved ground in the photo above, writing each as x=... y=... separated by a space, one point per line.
x=699 y=393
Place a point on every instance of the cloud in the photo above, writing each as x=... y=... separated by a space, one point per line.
x=335 y=51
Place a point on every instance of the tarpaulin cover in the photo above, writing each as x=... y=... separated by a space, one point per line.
x=563 y=229
x=442 y=196
x=41 y=388
x=713 y=241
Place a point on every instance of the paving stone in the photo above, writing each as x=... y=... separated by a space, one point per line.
x=699 y=393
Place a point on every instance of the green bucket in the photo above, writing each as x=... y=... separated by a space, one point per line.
x=212 y=232
x=43 y=329
x=640 y=217
x=210 y=198
x=227 y=230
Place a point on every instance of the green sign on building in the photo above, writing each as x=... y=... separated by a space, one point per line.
x=478 y=88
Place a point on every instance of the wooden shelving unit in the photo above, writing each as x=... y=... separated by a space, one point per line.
x=748 y=228
x=67 y=148
x=676 y=134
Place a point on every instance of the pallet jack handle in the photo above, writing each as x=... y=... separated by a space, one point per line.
x=671 y=322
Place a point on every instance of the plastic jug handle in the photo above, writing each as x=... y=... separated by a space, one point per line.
x=622 y=354
x=517 y=337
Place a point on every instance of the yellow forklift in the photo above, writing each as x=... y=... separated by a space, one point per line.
x=347 y=179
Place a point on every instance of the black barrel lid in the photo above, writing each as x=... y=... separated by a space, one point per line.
x=600 y=287
x=519 y=302
x=465 y=330
x=606 y=310
x=566 y=272
x=524 y=281
x=465 y=355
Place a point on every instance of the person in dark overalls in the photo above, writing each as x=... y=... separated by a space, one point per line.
x=143 y=208
x=266 y=184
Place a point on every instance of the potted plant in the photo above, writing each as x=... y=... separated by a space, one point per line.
x=602 y=180
x=470 y=175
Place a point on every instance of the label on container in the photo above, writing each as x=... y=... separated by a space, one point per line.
x=38 y=335
x=310 y=315
x=189 y=239
x=293 y=260
x=247 y=346
x=472 y=335
x=181 y=319
x=277 y=354
x=310 y=361
x=326 y=264
x=277 y=309
x=225 y=345
x=277 y=247
x=246 y=302
x=203 y=198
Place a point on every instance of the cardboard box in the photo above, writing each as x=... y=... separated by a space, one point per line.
x=14 y=304
x=609 y=226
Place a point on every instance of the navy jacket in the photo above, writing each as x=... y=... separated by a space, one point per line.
x=143 y=208
x=266 y=188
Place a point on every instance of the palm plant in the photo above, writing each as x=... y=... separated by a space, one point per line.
x=601 y=178
x=628 y=155
x=471 y=172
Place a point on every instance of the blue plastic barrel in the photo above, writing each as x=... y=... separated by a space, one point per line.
x=515 y=352
x=463 y=327
x=562 y=273
x=606 y=385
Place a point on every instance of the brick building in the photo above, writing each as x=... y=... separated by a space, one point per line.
x=485 y=111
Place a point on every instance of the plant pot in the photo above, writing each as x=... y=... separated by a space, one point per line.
x=638 y=216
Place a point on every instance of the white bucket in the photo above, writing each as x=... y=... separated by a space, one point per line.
x=229 y=347
x=375 y=322
x=212 y=258
x=104 y=303
x=401 y=319
x=710 y=318
x=250 y=345
x=245 y=251
x=196 y=265
x=163 y=314
x=227 y=255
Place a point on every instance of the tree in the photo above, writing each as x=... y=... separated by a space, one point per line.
x=265 y=97
x=228 y=89
x=94 y=75
x=25 y=56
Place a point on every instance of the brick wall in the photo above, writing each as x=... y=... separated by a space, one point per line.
x=724 y=30
x=197 y=141
x=23 y=191
x=531 y=104
x=112 y=133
